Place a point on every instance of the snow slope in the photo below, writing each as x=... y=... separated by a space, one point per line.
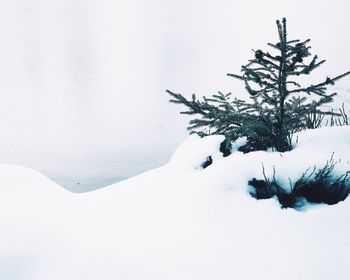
x=178 y=221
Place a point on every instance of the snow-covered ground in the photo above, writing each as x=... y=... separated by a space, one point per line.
x=178 y=221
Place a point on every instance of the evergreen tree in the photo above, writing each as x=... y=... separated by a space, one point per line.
x=279 y=106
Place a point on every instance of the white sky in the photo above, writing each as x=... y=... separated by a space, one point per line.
x=82 y=81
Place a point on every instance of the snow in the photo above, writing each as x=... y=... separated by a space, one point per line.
x=239 y=142
x=178 y=221
x=195 y=150
x=71 y=70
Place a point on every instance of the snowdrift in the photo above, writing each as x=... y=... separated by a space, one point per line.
x=179 y=221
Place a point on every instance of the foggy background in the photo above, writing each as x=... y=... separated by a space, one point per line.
x=82 y=82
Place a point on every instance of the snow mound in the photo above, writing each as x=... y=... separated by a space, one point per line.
x=177 y=222
x=18 y=178
x=194 y=151
x=312 y=149
x=330 y=137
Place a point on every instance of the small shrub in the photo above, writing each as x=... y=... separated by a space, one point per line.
x=317 y=186
x=339 y=119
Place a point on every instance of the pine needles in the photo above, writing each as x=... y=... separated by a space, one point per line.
x=279 y=105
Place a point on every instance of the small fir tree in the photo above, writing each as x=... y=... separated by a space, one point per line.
x=279 y=106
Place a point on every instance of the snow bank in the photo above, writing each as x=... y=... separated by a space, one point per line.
x=312 y=149
x=194 y=151
x=176 y=222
